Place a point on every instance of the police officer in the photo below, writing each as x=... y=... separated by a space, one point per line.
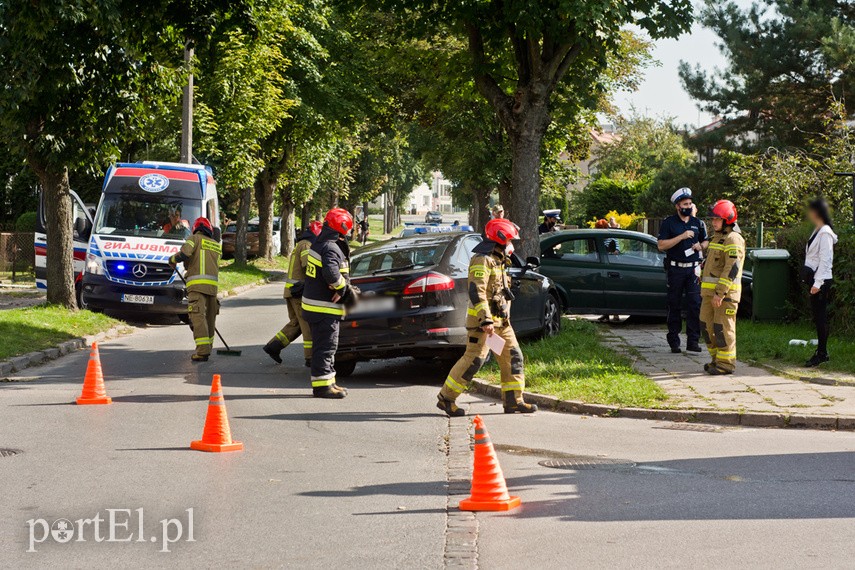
x=200 y=255
x=550 y=219
x=683 y=237
x=293 y=293
x=721 y=288
x=488 y=314
x=326 y=295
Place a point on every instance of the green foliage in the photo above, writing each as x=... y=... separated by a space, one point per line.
x=26 y=222
x=709 y=181
x=604 y=195
x=644 y=146
x=784 y=59
x=768 y=343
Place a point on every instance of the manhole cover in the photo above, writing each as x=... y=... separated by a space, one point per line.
x=8 y=452
x=586 y=462
x=692 y=427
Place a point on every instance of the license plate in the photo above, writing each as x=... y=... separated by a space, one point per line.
x=138 y=299
x=374 y=305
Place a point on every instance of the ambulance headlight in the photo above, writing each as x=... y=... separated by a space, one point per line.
x=94 y=265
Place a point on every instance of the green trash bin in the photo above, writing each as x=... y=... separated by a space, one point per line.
x=770 y=284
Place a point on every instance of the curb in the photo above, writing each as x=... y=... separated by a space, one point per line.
x=809 y=379
x=30 y=359
x=19 y=363
x=461 y=527
x=728 y=418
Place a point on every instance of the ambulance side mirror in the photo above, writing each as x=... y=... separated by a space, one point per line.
x=218 y=234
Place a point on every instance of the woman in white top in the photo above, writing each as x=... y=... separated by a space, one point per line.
x=819 y=258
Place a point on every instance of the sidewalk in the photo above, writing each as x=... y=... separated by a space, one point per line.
x=750 y=389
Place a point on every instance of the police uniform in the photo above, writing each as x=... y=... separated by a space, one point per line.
x=201 y=257
x=682 y=269
x=327 y=276
x=489 y=303
x=722 y=277
x=294 y=284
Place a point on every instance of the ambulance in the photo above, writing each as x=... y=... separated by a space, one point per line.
x=121 y=251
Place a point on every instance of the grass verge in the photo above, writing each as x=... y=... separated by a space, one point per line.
x=768 y=343
x=233 y=276
x=36 y=328
x=574 y=365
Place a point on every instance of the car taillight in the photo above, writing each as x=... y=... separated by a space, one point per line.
x=428 y=283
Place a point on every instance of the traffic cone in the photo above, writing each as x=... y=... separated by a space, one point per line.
x=489 y=492
x=93 y=382
x=216 y=436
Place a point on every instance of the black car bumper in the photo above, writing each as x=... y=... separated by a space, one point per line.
x=102 y=294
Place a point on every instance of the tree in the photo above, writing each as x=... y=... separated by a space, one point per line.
x=784 y=59
x=644 y=146
x=525 y=54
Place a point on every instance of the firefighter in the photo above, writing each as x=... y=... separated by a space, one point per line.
x=200 y=255
x=326 y=294
x=488 y=313
x=720 y=288
x=293 y=292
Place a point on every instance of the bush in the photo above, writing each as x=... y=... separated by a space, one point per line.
x=842 y=308
x=604 y=195
x=26 y=222
x=625 y=221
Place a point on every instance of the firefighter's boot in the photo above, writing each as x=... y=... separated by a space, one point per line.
x=199 y=357
x=514 y=403
x=449 y=407
x=273 y=348
x=332 y=392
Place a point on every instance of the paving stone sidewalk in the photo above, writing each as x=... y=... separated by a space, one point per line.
x=749 y=389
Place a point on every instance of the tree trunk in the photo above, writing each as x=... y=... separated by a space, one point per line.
x=523 y=209
x=480 y=214
x=242 y=220
x=306 y=213
x=288 y=230
x=505 y=197
x=265 y=187
x=60 y=233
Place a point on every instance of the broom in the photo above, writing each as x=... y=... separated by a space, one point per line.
x=224 y=352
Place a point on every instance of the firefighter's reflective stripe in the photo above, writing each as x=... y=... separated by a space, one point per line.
x=325 y=307
x=190 y=243
x=512 y=386
x=204 y=340
x=210 y=245
x=716 y=246
x=307 y=344
x=454 y=385
x=730 y=355
x=290 y=282
x=321 y=381
x=202 y=279
x=339 y=285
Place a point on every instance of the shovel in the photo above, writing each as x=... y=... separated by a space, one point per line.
x=224 y=352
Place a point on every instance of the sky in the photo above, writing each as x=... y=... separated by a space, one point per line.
x=661 y=94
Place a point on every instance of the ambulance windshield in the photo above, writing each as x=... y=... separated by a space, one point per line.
x=146 y=216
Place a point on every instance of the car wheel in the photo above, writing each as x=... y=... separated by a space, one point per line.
x=345 y=368
x=551 y=317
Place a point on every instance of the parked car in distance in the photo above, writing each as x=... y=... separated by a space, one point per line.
x=611 y=272
x=277 y=232
x=415 y=295
x=251 y=240
x=433 y=218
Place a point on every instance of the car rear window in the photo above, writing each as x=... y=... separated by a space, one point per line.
x=407 y=256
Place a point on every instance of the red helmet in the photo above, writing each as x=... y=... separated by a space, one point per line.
x=601 y=224
x=725 y=210
x=203 y=224
x=501 y=231
x=315 y=227
x=340 y=220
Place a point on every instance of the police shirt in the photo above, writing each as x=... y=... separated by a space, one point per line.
x=672 y=227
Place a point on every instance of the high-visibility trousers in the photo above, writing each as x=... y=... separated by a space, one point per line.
x=324 y=331
x=295 y=327
x=202 y=310
x=510 y=364
x=719 y=331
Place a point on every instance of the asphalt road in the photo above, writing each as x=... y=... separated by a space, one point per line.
x=361 y=482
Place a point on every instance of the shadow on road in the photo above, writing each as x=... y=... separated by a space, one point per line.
x=344 y=417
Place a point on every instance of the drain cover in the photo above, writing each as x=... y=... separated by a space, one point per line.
x=586 y=462
x=8 y=452
x=684 y=426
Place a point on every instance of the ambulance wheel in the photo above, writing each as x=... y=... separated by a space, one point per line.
x=345 y=368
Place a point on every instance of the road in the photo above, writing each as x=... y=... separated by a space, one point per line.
x=362 y=482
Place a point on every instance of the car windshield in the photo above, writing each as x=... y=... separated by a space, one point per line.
x=401 y=257
x=146 y=216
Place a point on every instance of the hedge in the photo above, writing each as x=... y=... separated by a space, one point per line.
x=842 y=306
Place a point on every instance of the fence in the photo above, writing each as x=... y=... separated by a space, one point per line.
x=17 y=257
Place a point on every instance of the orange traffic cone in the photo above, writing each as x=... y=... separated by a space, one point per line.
x=93 y=382
x=216 y=436
x=489 y=492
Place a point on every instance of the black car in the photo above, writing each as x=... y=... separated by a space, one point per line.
x=414 y=300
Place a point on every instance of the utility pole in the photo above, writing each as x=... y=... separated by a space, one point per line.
x=852 y=176
x=187 y=108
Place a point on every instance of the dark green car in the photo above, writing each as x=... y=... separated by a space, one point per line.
x=611 y=272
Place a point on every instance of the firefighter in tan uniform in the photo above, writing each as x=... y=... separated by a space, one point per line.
x=200 y=255
x=488 y=313
x=721 y=288
x=294 y=284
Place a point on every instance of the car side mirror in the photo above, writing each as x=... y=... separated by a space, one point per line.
x=532 y=261
x=218 y=234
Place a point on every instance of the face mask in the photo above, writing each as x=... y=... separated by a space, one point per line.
x=686 y=212
x=509 y=249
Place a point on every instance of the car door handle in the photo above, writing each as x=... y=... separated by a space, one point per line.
x=613 y=274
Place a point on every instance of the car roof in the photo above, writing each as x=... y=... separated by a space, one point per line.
x=414 y=241
x=603 y=233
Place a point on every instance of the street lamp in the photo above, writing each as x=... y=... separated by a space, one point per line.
x=852 y=176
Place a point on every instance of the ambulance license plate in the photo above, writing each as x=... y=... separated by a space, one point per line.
x=138 y=299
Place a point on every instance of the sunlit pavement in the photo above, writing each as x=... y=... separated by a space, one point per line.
x=362 y=482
